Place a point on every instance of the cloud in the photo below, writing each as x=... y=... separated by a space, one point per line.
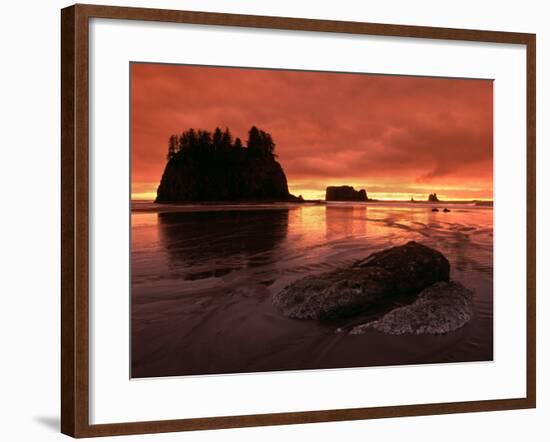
x=327 y=126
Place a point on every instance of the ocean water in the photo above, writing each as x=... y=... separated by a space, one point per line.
x=203 y=278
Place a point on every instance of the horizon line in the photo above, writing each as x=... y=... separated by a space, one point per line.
x=373 y=200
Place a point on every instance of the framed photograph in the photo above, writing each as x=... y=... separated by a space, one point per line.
x=273 y=220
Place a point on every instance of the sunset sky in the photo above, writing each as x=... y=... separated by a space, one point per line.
x=395 y=136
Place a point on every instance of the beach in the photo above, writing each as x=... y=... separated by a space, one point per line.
x=203 y=278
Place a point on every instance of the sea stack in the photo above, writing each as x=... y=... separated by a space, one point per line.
x=345 y=193
x=205 y=167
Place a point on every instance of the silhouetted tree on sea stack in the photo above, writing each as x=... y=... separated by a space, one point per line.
x=217 y=139
x=227 y=139
x=254 y=142
x=205 y=140
x=173 y=146
x=214 y=166
x=259 y=143
x=238 y=143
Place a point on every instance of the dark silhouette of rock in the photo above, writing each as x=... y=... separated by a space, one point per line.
x=339 y=293
x=446 y=210
x=440 y=308
x=435 y=209
x=432 y=198
x=376 y=280
x=235 y=177
x=483 y=203
x=413 y=266
x=215 y=169
x=345 y=193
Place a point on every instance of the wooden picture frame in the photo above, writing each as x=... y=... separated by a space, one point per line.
x=75 y=219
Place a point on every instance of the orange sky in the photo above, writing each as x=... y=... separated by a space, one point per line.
x=396 y=136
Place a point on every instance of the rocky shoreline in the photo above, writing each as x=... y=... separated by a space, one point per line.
x=413 y=270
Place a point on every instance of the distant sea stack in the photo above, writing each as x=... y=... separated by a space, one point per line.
x=212 y=167
x=432 y=198
x=345 y=193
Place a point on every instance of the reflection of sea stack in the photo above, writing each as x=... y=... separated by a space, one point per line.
x=213 y=167
x=345 y=193
x=432 y=198
x=230 y=233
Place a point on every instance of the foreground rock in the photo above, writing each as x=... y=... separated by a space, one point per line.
x=441 y=308
x=345 y=193
x=376 y=280
x=412 y=266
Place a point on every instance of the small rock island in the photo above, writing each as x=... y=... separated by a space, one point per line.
x=345 y=193
x=213 y=167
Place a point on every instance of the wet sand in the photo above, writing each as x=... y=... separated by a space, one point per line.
x=202 y=282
